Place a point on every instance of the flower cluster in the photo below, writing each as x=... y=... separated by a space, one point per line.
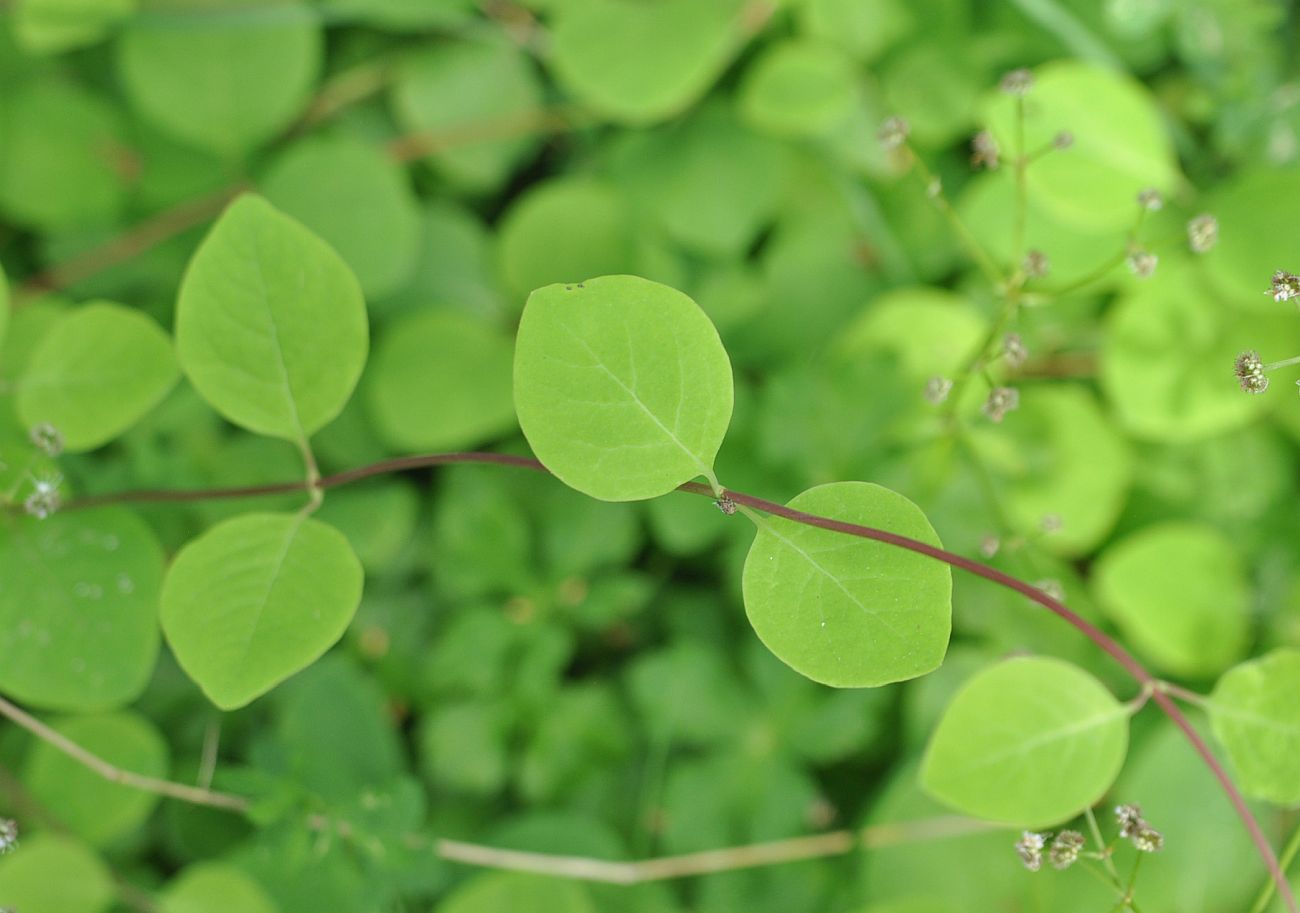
x=1001 y=401
x=44 y=499
x=8 y=835
x=1250 y=372
x=893 y=133
x=47 y=439
x=1132 y=826
x=1285 y=286
x=1061 y=854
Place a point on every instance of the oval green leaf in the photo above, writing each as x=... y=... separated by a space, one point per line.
x=497 y=891
x=256 y=599
x=53 y=873
x=440 y=380
x=638 y=62
x=1180 y=595
x=97 y=810
x=96 y=373
x=1256 y=717
x=214 y=887
x=845 y=611
x=369 y=215
x=270 y=325
x=622 y=386
x=176 y=70
x=1030 y=742
x=78 y=609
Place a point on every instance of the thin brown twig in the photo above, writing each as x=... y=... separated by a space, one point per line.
x=115 y=774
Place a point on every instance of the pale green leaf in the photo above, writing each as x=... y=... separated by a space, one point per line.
x=96 y=373
x=1179 y=593
x=1120 y=142
x=799 y=88
x=1030 y=742
x=368 y=214
x=1256 y=235
x=483 y=96
x=89 y=806
x=214 y=887
x=440 y=380
x=622 y=386
x=1167 y=355
x=177 y=68
x=494 y=892
x=54 y=874
x=50 y=26
x=637 y=62
x=562 y=231
x=1256 y=716
x=60 y=168
x=78 y=609
x=846 y=611
x=270 y=325
x=256 y=599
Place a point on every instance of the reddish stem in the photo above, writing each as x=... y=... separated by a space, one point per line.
x=1029 y=591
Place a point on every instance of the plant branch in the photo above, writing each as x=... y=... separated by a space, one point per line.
x=115 y=774
x=1107 y=644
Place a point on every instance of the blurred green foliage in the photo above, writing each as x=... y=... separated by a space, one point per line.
x=533 y=669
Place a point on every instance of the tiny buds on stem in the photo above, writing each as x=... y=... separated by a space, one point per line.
x=1063 y=140
x=1051 y=523
x=937 y=390
x=1065 y=849
x=1036 y=264
x=8 y=835
x=1142 y=263
x=984 y=151
x=1001 y=401
x=1202 y=233
x=1051 y=588
x=46 y=438
x=1151 y=199
x=44 y=499
x=1250 y=372
x=1013 y=350
x=1017 y=82
x=1132 y=826
x=1030 y=849
x=1285 y=286
x=989 y=545
x=726 y=505
x=893 y=133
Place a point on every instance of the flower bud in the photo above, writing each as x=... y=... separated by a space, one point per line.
x=893 y=132
x=1001 y=401
x=1142 y=263
x=1030 y=849
x=1065 y=849
x=1202 y=233
x=1250 y=372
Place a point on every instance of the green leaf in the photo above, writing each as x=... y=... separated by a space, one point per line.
x=1179 y=593
x=96 y=373
x=1030 y=742
x=89 y=806
x=1255 y=715
x=483 y=96
x=50 y=26
x=1255 y=234
x=1058 y=455
x=1167 y=354
x=59 y=168
x=214 y=887
x=4 y=305
x=176 y=68
x=256 y=599
x=270 y=324
x=639 y=63
x=440 y=380
x=496 y=891
x=845 y=611
x=464 y=746
x=1120 y=142
x=368 y=215
x=562 y=231
x=53 y=874
x=799 y=88
x=622 y=386
x=78 y=609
